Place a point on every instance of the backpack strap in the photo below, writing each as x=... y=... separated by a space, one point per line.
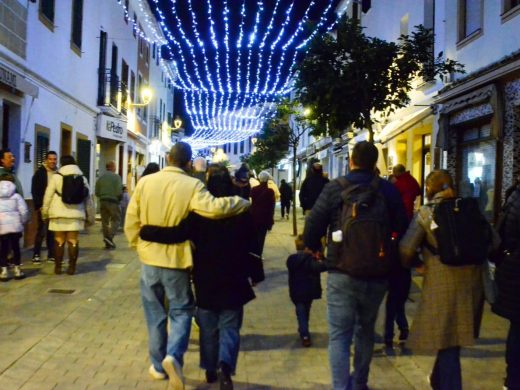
x=343 y=182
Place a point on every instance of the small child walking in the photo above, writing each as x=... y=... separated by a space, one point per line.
x=14 y=213
x=304 y=286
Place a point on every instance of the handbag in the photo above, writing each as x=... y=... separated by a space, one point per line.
x=489 y=282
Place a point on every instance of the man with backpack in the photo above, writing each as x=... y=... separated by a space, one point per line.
x=109 y=190
x=364 y=216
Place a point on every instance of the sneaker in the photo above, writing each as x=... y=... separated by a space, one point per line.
x=36 y=259
x=174 y=371
x=224 y=376
x=50 y=259
x=157 y=375
x=211 y=376
x=306 y=342
x=18 y=273
x=4 y=275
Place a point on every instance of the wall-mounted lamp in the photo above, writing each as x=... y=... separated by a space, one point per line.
x=146 y=97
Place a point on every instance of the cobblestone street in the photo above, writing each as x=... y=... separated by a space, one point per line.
x=95 y=337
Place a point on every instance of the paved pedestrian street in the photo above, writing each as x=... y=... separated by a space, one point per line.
x=87 y=331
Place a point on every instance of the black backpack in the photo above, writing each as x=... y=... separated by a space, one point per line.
x=463 y=234
x=365 y=249
x=74 y=190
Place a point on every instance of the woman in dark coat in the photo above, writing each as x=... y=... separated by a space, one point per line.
x=262 y=210
x=507 y=304
x=222 y=267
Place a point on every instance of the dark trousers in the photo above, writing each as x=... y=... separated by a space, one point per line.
x=110 y=218
x=259 y=241
x=303 y=310
x=286 y=207
x=42 y=230
x=9 y=242
x=446 y=374
x=398 y=289
x=513 y=357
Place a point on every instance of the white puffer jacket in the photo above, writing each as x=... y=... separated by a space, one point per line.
x=53 y=206
x=14 y=212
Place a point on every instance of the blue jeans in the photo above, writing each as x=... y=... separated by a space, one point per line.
x=171 y=287
x=219 y=337
x=352 y=306
x=513 y=356
x=303 y=310
x=446 y=373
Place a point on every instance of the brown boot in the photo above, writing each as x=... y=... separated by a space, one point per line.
x=59 y=250
x=73 y=258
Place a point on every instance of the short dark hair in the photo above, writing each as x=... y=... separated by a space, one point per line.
x=364 y=155
x=3 y=152
x=151 y=168
x=49 y=153
x=67 y=160
x=180 y=154
x=398 y=169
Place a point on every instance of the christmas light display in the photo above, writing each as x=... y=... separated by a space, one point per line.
x=235 y=58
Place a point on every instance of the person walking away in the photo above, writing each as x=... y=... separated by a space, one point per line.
x=150 y=169
x=408 y=187
x=362 y=214
x=285 y=198
x=7 y=161
x=165 y=199
x=312 y=186
x=199 y=168
x=262 y=210
x=241 y=182
x=64 y=206
x=125 y=199
x=14 y=214
x=507 y=277
x=109 y=190
x=221 y=273
x=304 y=286
x=449 y=312
x=400 y=279
x=40 y=179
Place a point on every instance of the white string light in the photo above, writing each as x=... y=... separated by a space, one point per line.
x=228 y=100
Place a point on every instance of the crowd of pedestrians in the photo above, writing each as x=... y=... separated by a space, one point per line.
x=200 y=232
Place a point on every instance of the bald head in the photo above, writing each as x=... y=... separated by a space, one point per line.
x=199 y=164
x=180 y=155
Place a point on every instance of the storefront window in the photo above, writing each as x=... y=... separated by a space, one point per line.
x=477 y=178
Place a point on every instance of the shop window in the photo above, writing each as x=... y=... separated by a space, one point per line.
x=469 y=18
x=478 y=167
x=77 y=22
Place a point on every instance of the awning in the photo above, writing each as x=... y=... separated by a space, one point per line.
x=397 y=126
x=17 y=81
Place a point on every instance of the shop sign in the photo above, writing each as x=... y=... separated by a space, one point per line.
x=17 y=81
x=112 y=128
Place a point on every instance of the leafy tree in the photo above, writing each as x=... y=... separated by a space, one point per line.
x=345 y=80
x=281 y=133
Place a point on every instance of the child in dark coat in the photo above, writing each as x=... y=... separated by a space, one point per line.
x=304 y=286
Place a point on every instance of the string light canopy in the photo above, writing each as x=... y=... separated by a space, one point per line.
x=235 y=58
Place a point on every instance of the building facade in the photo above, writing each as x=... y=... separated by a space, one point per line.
x=71 y=75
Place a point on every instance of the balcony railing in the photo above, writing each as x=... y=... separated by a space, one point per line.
x=109 y=89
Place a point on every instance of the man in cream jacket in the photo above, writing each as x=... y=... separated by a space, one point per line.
x=165 y=198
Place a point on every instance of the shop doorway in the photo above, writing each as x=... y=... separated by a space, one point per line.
x=83 y=146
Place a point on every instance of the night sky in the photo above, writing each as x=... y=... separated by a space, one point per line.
x=254 y=70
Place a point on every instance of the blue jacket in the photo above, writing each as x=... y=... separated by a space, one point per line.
x=326 y=212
